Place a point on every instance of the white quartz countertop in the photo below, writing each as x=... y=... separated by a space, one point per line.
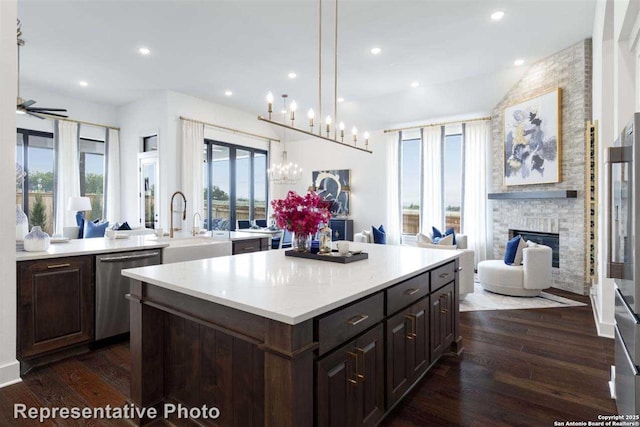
x=288 y=289
x=77 y=247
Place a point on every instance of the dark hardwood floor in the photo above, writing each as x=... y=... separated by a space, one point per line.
x=519 y=367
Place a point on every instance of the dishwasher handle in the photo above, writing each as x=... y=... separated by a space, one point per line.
x=128 y=257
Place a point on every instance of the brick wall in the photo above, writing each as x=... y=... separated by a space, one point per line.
x=569 y=69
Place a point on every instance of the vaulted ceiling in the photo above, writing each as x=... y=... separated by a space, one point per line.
x=463 y=61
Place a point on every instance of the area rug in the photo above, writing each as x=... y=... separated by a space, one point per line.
x=485 y=300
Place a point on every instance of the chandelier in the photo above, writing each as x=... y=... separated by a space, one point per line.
x=285 y=172
x=333 y=131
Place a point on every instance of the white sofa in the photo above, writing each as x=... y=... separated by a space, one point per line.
x=526 y=280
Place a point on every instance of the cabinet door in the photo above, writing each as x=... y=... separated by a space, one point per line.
x=55 y=304
x=436 y=339
x=337 y=387
x=398 y=370
x=448 y=315
x=370 y=375
x=350 y=389
x=419 y=344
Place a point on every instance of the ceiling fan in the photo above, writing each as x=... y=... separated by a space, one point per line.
x=25 y=107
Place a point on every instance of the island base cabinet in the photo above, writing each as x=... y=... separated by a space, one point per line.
x=55 y=305
x=407 y=349
x=442 y=319
x=350 y=383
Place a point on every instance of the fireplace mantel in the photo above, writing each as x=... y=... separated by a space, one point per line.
x=520 y=195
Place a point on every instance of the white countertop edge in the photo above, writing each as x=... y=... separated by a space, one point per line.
x=280 y=317
x=34 y=256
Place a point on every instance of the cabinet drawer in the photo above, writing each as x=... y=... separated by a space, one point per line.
x=442 y=275
x=407 y=292
x=247 y=246
x=347 y=322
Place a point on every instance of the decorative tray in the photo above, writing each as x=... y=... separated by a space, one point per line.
x=333 y=257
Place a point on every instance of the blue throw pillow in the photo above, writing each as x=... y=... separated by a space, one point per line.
x=512 y=248
x=92 y=230
x=379 y=235
x=437 y=234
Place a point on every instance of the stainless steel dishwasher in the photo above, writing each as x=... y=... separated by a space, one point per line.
x=112 y=308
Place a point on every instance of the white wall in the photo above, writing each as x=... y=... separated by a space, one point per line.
x=161 y=114
x=9 y=367
x=369 y=172
x=615 y=93
x=77 y=109
x=145 y=117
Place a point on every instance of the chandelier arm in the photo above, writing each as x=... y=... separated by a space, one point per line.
x=320 y=66
x=286 y=126
x=335 y=76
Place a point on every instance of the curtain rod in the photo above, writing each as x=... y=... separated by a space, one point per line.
x=478 y=119
x=79 y=122
x=255 y=135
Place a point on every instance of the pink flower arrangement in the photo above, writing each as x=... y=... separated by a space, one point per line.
x=300 y=215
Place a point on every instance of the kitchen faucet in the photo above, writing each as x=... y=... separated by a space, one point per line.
x=194 y=229
x=184 y=213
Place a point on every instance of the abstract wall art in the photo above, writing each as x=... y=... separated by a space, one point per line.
x=334 y=186
x=532 y=140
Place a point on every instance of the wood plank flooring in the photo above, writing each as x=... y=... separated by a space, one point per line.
x=519 y=367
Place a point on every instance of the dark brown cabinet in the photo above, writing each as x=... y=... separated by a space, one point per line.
x=442 y=319
x=407 y=348
x=55 y=305
x=350 y=382
x=250 y=245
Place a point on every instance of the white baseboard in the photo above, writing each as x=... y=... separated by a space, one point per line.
x=604 y=329
x=10 y=374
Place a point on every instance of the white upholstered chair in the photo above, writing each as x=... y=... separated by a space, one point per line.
x=526 y=280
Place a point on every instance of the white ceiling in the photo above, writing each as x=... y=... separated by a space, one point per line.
x=462 y=59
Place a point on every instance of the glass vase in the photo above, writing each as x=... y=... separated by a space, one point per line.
x=22 y=223
x=301 y=242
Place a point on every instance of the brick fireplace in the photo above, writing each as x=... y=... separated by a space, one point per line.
x=570 y=70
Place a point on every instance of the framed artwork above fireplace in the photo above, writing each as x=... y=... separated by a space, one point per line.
x=532 y=140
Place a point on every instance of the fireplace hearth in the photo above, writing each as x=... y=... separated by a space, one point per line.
x=548 y=239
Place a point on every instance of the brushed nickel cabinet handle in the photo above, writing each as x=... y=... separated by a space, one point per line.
x=357 y=319
x=412 y=322
x=444 y=311
x=459 y=269
x=443 y=275
x=411 y=291
x=58 y=266
x=354 y=381
x=249 y=248
x=359 y=375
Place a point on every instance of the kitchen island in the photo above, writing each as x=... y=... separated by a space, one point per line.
x=275 y=340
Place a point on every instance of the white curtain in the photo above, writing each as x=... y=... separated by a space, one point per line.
x=112 y=183
x=192 y=169
x=477 y=136
x=394 y=227
x=67 y=172
x=432 y=211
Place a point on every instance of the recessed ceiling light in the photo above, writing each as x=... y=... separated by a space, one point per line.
x=144 y=51
x=83 y=83
x=292 y=75
x=498 y=15
x=340 y=99
x=415 y=84
x=228 y=93
x=518 y=62
x=376 y=50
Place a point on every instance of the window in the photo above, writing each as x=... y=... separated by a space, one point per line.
x=150 y=143
x=410 y=181
x=235 y=185
x=35 y=153
x=92 y=169
x=452 y=181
